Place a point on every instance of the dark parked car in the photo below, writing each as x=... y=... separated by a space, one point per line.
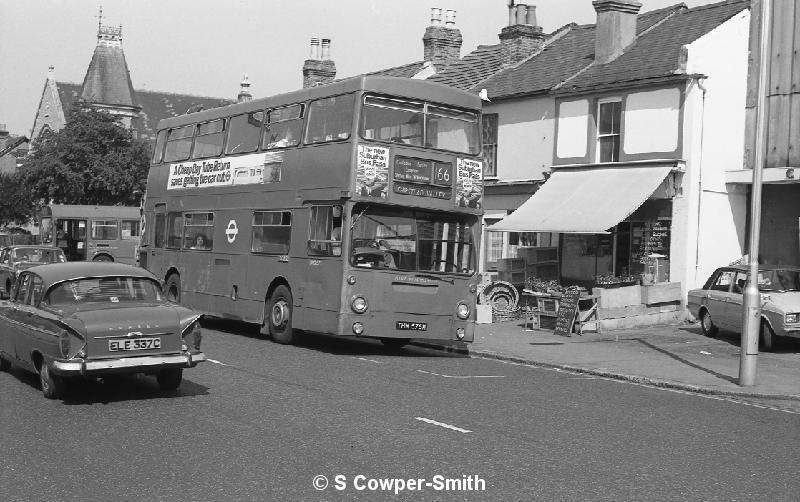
x=14 y=259
x=90 y=319
x=719 y=303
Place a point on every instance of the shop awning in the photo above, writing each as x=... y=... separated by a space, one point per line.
x=585 y=200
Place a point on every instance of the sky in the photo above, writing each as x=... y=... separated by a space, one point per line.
x=205 y=47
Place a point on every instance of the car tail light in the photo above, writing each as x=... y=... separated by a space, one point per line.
x=64 y=343
x=193 y=336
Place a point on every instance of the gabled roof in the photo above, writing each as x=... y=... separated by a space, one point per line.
x=108 y=80
x=406 y=70
x=154 y=106
x=566 y=61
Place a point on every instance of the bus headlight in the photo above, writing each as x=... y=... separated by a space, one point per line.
x=462 y=311
x=359 y=304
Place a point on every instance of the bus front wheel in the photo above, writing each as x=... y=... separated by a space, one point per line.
x=173 y=288
x=278 y=316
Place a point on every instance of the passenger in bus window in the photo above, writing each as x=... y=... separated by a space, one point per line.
x=200 y=242
x=282 y=137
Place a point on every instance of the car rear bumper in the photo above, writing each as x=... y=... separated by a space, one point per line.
x=136 y=364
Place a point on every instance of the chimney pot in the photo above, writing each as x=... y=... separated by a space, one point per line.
x=522 y=13
x=512 y=13
x=436 y=16
x=530 y=17
x=450 y=18
x=314 y=48
x=326 y=49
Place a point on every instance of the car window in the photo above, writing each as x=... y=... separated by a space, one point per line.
x=723 y=281
x=740 y=283
x=104 y=290
x=22 y=290
x=37 y=289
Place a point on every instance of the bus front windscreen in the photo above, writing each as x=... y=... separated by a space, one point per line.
x=408 y=240
x=417 y=124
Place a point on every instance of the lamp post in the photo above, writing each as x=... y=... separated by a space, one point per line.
x=752 y=298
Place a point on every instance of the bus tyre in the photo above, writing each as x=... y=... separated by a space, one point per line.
x=173 y=288
x=169 y=379
x=279 y=315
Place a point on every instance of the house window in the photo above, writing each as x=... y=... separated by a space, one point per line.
x=489 y=145
x=609 y=114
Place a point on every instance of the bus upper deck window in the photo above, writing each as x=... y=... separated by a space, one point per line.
x=453 y=130
x=284 y=128
x=210 y=136
x=386 y=119
x=330 y=119
x=158 y=151
x=245 y=132
x=179 y=143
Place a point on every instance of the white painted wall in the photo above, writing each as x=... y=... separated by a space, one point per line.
x=713 y=133
x=573 y=126
x=524 y=137
x=651 y=121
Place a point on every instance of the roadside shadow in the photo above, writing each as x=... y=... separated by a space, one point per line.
x=785 y=345
x=350 y=345
x=135 y=387
x=687 y=362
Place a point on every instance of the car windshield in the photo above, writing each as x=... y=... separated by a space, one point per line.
x=112 y=291
x=779 y=280
x=412 y=240
x=37 y=255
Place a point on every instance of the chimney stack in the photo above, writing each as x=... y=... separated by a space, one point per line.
x=615 y=29
x=522 y=37
x=244 y=92
x=442 y=44
x=319 y=69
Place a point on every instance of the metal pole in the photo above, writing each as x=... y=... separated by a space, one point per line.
x=752 y=299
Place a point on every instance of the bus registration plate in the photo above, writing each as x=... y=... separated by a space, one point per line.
x=411 y=326
x=134 y=344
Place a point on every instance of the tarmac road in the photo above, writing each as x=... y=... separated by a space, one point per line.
x=262 y=421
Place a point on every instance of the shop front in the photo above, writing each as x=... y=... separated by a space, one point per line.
x=615 y=239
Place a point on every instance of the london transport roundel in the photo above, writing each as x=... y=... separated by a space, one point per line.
x=232 y=231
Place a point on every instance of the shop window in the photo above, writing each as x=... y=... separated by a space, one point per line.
x=325 y=232
x=271 y=232
x=489 y=145
x=179 y=143
x=245 y=132
x=609 y=116
x=284 y=127
x=330 y=119
x=210 y=137
x=104 y=230
x=198 y=231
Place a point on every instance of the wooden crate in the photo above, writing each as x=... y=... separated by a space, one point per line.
x=510 y=264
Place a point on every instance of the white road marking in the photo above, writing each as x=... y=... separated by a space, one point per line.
x=440 y=424
x=215 y=361
x=370 y=360
x=460 y=376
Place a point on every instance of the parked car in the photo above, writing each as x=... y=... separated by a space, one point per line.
x=91 y=319
x=719 y=303
x=14 y=259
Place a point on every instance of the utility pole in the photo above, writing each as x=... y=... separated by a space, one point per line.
x=752 y=298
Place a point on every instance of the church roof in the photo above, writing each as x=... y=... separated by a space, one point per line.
x=108 y=80
x=154 y=105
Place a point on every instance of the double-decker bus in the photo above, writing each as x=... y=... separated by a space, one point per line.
x=351 y=208
x=92 y=233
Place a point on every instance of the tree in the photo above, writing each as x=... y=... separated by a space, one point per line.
x=16 y=206
x=92 y=160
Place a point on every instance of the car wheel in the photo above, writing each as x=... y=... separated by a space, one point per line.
x=709 y=328
x=280 y=315
x=769 y=340
x=173 y=288
x=395 y=343
x=8 y=287
x=52 y=385
x=4 y=364
x=169 y=379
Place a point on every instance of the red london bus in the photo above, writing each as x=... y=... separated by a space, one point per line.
x=352 y=208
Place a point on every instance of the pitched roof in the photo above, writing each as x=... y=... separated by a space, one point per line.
x=567 y=58
x=406 y=70
x=108 y=80
x=154 y=106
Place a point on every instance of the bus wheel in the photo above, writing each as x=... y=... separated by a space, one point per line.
x=173 y=288
x=102 y=257
x=280 y=315
x=395 y=343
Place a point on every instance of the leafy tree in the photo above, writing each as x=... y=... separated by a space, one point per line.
x=16 y=206
x=92 y=160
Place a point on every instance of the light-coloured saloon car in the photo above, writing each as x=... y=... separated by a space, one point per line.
x=90 y=319
x=719 y=303
x=14 y=259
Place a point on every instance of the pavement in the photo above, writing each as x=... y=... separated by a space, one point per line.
x=677 y=356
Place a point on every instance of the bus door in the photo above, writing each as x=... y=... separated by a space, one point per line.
x=320 y=290
x=228 y=265
x=71 y=238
